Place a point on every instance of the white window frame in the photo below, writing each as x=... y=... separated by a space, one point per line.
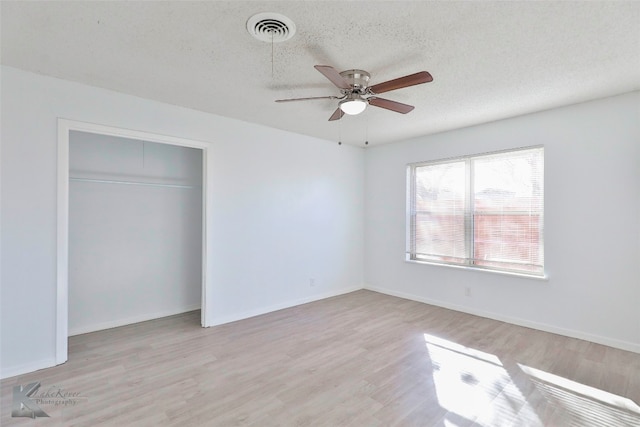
x=468 y=264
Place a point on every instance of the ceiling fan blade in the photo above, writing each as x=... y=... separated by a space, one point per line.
x=334 y=76
x=337 y=115
x=399 y=83
x=398 y=107
x=308 y=98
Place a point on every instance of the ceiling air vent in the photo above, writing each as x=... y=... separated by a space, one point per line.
x=271 y=27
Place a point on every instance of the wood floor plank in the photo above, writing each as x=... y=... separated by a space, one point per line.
x=360 y=359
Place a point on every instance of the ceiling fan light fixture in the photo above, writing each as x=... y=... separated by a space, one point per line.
x=353 y=105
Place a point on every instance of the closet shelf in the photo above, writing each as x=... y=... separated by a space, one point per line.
x=149 y=184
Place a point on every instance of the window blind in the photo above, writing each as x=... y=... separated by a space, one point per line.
x=482 y=211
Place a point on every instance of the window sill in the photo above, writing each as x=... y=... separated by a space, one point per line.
x=544 y=278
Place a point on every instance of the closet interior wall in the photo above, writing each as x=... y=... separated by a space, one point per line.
x=135 y=231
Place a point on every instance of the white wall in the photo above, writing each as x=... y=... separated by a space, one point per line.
x=592 y=223
x=287 y=208
x=290 y=208
x=135 y=251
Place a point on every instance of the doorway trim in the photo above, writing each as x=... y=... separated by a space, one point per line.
x=65 y=126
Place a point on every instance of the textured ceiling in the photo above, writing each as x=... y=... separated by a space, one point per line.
x=489 y=60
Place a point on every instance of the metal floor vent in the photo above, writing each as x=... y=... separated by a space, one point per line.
x=271 y=27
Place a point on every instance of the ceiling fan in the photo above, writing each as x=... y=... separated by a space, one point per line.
x=357 y=94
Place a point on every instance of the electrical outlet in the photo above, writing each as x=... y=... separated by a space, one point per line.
x=312 y=282
x=467 y=291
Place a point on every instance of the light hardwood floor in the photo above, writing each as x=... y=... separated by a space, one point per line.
x=361 y=359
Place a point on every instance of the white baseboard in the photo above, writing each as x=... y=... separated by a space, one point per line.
x=264 y=310
x=25 y=369
x=572 y=333
x=85 y=329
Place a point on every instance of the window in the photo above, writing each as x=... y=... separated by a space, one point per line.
x=481 y=211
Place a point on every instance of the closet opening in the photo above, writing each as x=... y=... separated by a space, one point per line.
x=132 y=228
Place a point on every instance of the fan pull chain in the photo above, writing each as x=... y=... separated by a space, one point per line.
x=366 y=128
x=339 y=132
x=271 y=31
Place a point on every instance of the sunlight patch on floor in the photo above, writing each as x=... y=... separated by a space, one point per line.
x=588 y=405
x=467 y=351
x=474 y=386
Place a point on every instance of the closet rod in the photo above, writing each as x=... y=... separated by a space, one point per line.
x=150 y=184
